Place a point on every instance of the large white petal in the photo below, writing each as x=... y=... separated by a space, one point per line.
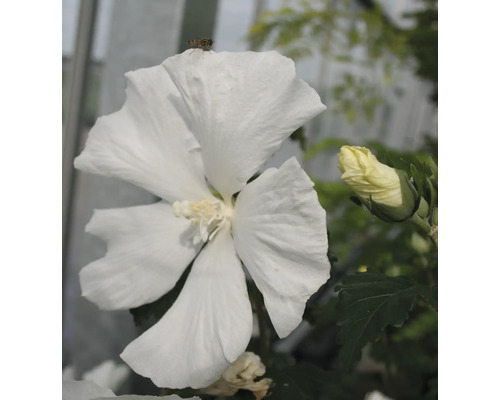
x=243 y=105
x=148 y=249
x=279 y=231
x=147 y=142
x=206 y=329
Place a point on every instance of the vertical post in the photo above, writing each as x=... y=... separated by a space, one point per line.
x=260 y=7
x=72 y=126
x=198 y=21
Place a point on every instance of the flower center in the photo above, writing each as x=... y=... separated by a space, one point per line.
x=206 y=216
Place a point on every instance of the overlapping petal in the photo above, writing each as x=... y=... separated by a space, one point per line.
x=205 y=330
x=148 y=142
x=279 y=230
x=148 y=249
x=243 y=106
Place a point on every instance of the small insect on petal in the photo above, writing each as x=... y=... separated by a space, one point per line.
x=204 y=43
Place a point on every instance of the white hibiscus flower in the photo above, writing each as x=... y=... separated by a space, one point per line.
x=198 y=124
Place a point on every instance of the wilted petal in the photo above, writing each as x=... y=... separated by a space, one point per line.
x=148 y=249
x=244 y=105
x=84 y=390
x=279 y=230
x=147 y=142
x=206 y=329
x=241 y=375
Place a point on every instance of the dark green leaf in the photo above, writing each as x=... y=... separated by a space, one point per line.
x=322 y=315
x=368 y=302
x=356 y=201
x=429 y=294
x=303 y=381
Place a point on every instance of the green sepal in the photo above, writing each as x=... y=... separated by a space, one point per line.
x=411 y=201
x=433 y=193
x=418 y=177
x=356 y=200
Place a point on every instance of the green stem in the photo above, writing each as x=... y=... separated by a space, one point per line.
x=420 y=222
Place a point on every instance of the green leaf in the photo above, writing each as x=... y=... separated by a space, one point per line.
x=323 y=145
x=429 y=294
x=302 y=381
x=368 y=302
x=433 y=194
x=158 y=308
x=418 y=177
x=322 y=315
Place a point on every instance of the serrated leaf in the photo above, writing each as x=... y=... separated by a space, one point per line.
x=322 y=315
x=429 y=294
x=302 y=381
x=368 y=302
x=418 y=327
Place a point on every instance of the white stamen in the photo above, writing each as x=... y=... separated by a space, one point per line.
x=207 y=216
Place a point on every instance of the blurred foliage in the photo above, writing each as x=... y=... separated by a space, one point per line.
x=423 y=43
x=359 y=36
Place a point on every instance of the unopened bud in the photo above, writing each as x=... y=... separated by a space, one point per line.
x=385 y=191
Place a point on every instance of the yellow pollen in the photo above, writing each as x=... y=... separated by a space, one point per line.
x=206 y=216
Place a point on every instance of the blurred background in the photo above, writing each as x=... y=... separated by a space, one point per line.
x=374 y=64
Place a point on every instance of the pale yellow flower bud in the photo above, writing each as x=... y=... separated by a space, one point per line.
x=387 y=192
x=368 y=177
x=241 y=375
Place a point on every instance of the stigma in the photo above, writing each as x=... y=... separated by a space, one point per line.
x=206 y=216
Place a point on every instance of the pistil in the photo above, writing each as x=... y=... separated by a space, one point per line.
x=206 y=216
